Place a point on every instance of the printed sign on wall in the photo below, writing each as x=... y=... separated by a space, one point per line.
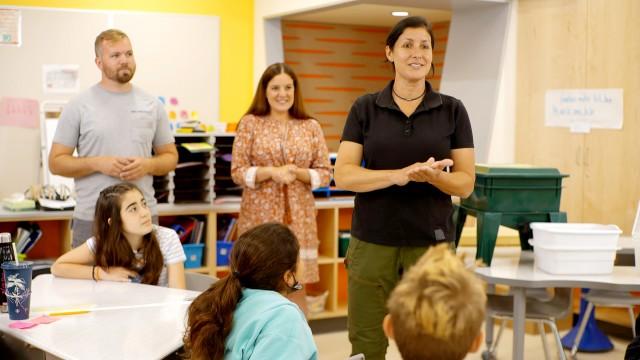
x=583 y=109
x=10 y=27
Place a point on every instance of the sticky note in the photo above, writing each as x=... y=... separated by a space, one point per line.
x=44 y=319
x=21 y=325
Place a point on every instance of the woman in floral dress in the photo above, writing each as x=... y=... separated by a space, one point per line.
x=279 y=157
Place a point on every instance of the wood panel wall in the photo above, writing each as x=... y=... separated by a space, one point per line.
x=338 y=63
x=565 y=44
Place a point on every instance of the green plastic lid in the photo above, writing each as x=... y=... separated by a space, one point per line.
x=516 y=170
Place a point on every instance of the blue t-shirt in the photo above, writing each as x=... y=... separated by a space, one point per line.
x=266 y=325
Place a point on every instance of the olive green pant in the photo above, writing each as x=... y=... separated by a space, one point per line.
x=373 y=270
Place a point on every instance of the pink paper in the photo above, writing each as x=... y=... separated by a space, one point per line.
x=22 y=325
x=19 y=112
x=44 y=319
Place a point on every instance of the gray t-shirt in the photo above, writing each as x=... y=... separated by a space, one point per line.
x=103 y=123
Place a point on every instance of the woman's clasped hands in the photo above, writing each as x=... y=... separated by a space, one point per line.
x=285 y=174
x=427 y=171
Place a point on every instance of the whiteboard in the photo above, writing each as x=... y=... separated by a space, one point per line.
x=177 y=55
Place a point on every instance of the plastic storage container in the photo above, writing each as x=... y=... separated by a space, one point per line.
x=576 y=235
x=575 y=249
x=223 y=250
x=194 y=255
x=516 y=188
x=573 y=261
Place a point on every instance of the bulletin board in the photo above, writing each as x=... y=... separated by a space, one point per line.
x=177 y=55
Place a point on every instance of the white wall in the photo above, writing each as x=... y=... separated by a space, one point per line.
x=267 y=33
x=473 y=66
x=502 y=146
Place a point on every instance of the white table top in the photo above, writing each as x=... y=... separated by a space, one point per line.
x=126 y=321
x=521 y=272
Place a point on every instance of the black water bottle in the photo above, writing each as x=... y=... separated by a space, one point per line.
x=6 y=254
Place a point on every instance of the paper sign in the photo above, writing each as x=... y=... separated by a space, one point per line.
x=19 y=112
x=584 y=109
x=60 y=78
x=10 y=27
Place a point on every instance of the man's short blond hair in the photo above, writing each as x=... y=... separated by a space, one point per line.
x=113 y=35
x=437 y=308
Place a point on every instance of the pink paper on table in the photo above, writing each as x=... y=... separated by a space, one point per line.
x=44 y=319
x=19 y=112
x=22 y=325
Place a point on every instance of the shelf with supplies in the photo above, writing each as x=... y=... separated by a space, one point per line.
x=193 y=179
x=333 y=218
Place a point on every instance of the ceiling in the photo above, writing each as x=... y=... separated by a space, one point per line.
x=367 y=14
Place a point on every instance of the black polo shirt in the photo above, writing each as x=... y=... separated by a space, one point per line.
x=417 y=214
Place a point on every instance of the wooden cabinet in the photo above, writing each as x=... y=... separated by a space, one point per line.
x=580 y=44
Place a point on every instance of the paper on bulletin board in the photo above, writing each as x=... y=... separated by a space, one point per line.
x=61 y=78
x=10 y=27
x=19 y=112
x=584 y=109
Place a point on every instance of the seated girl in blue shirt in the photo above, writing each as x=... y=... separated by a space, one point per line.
x=246 y=315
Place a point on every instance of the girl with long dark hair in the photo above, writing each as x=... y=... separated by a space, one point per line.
x=247 y=315
x=126 y=245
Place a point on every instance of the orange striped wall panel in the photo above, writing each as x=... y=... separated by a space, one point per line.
x=337 y=63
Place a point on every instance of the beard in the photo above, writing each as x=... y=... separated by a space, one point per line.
x=122 y=75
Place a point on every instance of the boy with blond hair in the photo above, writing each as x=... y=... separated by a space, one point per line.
x=437 y=309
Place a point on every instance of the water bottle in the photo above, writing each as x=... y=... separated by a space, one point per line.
x=6 y=254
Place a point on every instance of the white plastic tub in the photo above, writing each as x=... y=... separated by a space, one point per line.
x=573 y=261
x=576 y=235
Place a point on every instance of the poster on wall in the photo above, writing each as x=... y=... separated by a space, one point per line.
x=10 y=27
x=583 y=109
x=60 y=78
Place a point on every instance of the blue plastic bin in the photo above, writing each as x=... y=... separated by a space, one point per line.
x=223 y=249
x=194 y=255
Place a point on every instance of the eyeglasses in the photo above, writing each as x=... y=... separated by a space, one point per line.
x=296 y=285
x=408 y=128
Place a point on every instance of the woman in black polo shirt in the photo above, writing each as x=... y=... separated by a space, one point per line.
x=407 y=134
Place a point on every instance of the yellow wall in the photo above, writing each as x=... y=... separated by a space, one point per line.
x=236 y=39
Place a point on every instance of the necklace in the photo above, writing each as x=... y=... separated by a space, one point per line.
x=407 y=99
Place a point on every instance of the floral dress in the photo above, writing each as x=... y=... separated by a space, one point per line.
x=260 y=142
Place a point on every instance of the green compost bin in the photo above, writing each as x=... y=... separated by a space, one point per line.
x=515 y=189
x=512 y=196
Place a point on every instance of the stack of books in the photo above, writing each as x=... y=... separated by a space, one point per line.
x=27 y=236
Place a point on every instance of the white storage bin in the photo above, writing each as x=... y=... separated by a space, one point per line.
x=573 y=261
x=576 y=235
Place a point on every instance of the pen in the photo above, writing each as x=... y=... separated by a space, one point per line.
x=69 y=312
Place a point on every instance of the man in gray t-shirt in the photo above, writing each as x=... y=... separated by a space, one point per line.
x=114 y=126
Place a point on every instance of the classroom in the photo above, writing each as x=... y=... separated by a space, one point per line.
x=503 y=128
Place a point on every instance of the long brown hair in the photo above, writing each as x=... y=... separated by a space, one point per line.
x=259 y=259
x=260 y=104
x=112 y=248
